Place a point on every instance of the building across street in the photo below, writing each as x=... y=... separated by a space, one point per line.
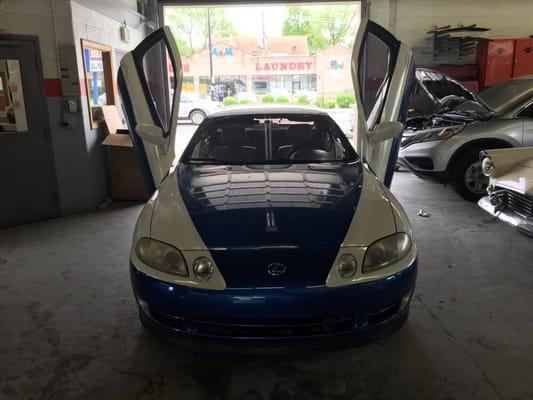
x=275 y=63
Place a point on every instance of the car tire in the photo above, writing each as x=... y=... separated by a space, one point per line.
x=197 y=117
x=467 y=176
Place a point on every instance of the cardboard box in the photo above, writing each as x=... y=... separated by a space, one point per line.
x=126 y=178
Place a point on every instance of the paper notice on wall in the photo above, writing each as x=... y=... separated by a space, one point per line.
x=17 y=95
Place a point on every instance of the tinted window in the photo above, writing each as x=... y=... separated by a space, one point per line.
x=527 y=112
x=260 y=139
x=156 y=78
x=374 y=77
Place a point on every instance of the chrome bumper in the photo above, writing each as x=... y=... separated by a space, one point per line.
x=523 y=224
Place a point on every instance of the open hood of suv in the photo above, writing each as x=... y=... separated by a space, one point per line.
x=439 y=87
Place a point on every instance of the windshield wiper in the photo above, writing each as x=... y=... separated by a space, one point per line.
x=261 y=162
x=208 y=161
x=470 y=113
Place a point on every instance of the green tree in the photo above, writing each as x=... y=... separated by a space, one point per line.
x=190 y=29
x=326 y=26
x=219 y=25
x=339 y=23
x=299 y=21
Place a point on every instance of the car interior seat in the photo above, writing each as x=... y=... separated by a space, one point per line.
x=232 y=145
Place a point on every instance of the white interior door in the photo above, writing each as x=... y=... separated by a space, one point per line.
x=383 y=75
x=149 y=81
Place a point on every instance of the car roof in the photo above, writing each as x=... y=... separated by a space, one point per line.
x=266 y=109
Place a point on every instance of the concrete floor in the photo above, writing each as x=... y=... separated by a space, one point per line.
x=69 y=327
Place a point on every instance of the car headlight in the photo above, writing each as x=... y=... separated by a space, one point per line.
x=161 y=256
x=346 y=266
x=203 y=268
x=439 y=133
x=487 y=166
x=386 y=252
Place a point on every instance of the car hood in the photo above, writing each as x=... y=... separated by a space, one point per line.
x=438 y=86
x=439 y=89
x=253 y=216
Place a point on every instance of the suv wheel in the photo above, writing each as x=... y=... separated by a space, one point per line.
x=467 y=176
x=197 y=117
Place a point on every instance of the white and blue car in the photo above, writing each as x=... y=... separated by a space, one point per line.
x=271 y=226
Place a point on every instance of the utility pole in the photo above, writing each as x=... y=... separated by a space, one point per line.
x=210 y=47
x=263 y=32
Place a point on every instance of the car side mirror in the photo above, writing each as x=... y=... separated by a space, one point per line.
x=151 y=133
x=386 y=130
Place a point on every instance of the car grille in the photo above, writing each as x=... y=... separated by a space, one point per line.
x=276 y=328
x=518 y=203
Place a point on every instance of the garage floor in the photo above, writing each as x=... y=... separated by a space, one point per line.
x=69 y=329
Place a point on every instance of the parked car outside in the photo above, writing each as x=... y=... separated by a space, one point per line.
x=195 y=109
x=445 y=145
x=270 y=227
x=510 y=190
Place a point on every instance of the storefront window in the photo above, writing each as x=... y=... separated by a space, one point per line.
x=204 y=81
x=292 y=83
x=260 y=86
x=98 y=79
x=188 y=84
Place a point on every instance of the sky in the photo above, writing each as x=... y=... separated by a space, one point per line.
x=247 y=19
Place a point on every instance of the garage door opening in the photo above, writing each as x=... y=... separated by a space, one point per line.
x=237 y=55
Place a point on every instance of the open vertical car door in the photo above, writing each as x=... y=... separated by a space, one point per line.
x=383 y=76
x=149 y=80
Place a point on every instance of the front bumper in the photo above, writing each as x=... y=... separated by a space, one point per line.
x=265 y=315
x=523 y=224
x=426 y=159
x=435 y=176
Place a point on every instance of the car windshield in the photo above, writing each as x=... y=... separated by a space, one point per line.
x=507 y=95
x=475 y=107
x=269 y=139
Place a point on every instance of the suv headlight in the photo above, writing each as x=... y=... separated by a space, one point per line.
x=386 y=252
x=487 y=166
x=161 y=256
x=439 y=133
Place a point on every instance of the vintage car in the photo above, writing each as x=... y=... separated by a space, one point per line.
x=510 y=190
x=445 y=146
x=270 y=226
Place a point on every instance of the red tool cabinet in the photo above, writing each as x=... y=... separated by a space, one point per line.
x=523 y=57
x=495 y=59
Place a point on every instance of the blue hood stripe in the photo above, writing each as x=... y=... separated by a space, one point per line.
x=253 y=216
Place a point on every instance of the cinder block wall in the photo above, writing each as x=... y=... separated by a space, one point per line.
x=79 y=158
x=411 y=19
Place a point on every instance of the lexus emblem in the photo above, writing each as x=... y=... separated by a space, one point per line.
x=276 y=269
